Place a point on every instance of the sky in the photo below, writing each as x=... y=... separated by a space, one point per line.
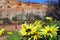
x=40 y=1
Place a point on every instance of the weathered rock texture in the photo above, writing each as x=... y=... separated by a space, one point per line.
x=13 y=8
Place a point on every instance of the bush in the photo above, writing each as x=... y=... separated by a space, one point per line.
x=47 y=29
x=6 y=20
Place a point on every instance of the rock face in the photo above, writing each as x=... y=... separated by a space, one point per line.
x=21 y=10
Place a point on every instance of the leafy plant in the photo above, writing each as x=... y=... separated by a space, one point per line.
x=14 y=36
x=46 y=29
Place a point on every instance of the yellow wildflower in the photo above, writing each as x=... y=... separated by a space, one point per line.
x=37 y=25
x=50 y=30
x=9 y=33
x=2 y=31
x=49 y=18
x=27 y=29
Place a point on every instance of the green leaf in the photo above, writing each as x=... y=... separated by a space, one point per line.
x=14 y=36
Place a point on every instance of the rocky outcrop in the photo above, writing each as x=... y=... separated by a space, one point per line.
x=13 y=8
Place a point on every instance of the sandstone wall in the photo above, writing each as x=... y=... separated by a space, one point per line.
x=12 y=8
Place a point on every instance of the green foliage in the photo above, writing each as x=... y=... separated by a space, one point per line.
x=14 y=36
x=56 y=22
x=58 y=37
x=21 y=20
x=6 y=20
x=46 y=29
x=1 y=22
